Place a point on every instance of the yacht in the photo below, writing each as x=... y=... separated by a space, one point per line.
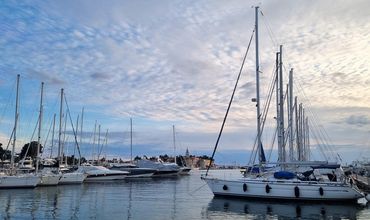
x=100 y=173
x=133 y=169
x=163 y=169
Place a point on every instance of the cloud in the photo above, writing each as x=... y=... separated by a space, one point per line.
x=359 y=120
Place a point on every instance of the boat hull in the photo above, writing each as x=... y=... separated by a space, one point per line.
x=136 y=172
x=72 y=178
x=104 y=177
x=166 y=173
x=280 y=190
x=12 y=182
x=49 y=179
x=185 y=171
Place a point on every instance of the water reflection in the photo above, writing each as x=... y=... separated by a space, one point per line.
x=219 y=207
x=171 y=198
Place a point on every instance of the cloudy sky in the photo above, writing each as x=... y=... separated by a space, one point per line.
x=167 y=63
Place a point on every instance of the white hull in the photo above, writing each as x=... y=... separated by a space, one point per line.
x=255 y=188
x=72 y=178
x=99 y=173
x=99 y=178
x=163 y=169
x=282 y=209
x=20 y=181
x=49 y=179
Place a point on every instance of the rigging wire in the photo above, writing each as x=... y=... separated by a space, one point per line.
x=73 y=129
x=269 y=30
x=264 y=117
x=324 y=137
x=231 y=99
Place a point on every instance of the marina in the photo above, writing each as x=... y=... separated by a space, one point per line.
x=185 y=110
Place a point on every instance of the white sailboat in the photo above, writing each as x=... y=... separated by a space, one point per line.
x=293 y=180
x=49 y=176
x=9 y=178
x=68 y=176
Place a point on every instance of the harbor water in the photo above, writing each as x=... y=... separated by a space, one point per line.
x=185 y=197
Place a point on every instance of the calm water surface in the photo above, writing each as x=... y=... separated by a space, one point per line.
x=172 y=198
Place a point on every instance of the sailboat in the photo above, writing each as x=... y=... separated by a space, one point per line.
x=9 y=178
x=69 y=176
x=49 y=176
x=289 y=180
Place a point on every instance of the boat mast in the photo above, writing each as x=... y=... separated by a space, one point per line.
x=281 y=106
x=296 y=126
x=174 y=142
x=302 y=133
x=82 y=122
x=15 y=124
x=52 y=137
x=277 y=107
x=308 y=152
x=259 y=144
x=60 y=127
x=39 y=131
x=93 y=145
x=130 y=140
x=97 y=148
x=76 y=144
x=300 y=150
x=290 y=115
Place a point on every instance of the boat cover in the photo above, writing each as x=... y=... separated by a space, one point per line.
x=284 y=175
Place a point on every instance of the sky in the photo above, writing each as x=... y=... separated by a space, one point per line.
x=165 y=63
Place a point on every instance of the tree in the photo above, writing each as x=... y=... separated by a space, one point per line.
x=4 y=154
x=32 y=150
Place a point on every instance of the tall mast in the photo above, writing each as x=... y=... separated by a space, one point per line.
x=303 y=134
x=93 y=146
x=98 y=146
x=259 y=144
x=300 y=150
x=290 y=116
x=39 y=131
x=76 y=145
x=307 y=140
x=60 y=127
x=15 y=123
x=296 y=126
x=131 y=140
x=280 y=155
x=174 y=142
x=281 y=105
x=52 y=137
x=82 y=122
x=64 y=155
